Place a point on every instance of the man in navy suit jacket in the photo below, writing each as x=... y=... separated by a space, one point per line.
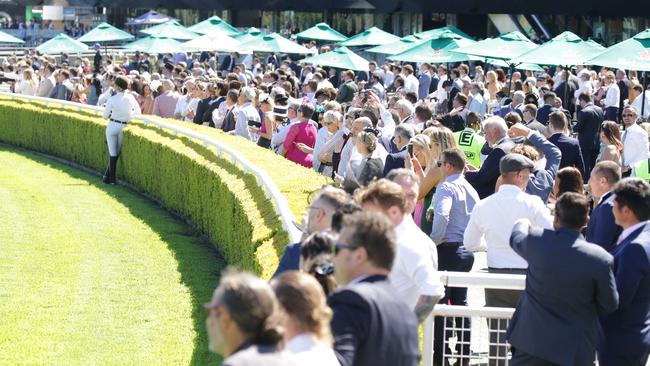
x=569 y=146
x=371 y=326
x=319 y=218
x=545 y=111
x=484 y=180
x=602 y=228
x=569 y=284
x=398 y=151
x=590 y=118
x=625 y=336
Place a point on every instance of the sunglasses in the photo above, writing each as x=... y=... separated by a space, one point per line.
x=338 y=246
x=628 y=115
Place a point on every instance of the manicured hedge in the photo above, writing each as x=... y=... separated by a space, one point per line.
x=221 y=201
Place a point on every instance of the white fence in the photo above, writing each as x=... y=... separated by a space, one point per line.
x=270 y=189
x=480 y=313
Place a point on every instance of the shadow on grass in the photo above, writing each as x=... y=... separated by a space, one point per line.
x=199 y=262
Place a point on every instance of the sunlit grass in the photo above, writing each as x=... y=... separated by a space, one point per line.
x=94 y=274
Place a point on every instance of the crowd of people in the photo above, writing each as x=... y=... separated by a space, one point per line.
x=545 y=171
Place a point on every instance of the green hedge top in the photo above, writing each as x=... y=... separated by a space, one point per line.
x=221 y=200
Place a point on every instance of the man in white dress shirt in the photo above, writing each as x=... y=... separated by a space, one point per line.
x=490 y=226
x=635 y=141
x=414 y=274
x=612 y=98
x=411 y=83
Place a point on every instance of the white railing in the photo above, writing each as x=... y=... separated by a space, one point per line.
x=470 y=279
x=270 y=188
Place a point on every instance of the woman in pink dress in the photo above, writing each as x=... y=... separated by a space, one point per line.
x=299 y=144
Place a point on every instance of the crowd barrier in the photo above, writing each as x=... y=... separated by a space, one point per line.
x=481 y=318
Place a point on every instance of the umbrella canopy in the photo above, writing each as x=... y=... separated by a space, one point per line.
x=214 y=24
x=60 y=44
x=8 y=38
x=397 y=47
x=150 y=17
x=321 y=32
x=172 y=29
x=105 y=33
x=502 y=63
x=273 y=43
x=249 y=35
x=503 y=47
x=215 y=41
x=567 y=49
x=155 y=45
x=437 y=50
x=370 y=37
x=432 y=33
x=631 y=54
x=340 y=58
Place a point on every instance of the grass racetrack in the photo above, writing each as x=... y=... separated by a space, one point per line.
x=92 y=274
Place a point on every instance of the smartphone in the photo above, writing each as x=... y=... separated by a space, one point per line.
x=409 y=148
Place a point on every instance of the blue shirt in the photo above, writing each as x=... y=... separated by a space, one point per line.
x=454 y=201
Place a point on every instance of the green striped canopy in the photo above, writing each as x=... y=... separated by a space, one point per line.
x=503 y=47
x=155 y=45
x=340 y=58
x=171 y=29
x=433 y=33
x=370 y=37
x=437 y=50
x=321 y=32
x=8 y=38
x=249 y=35
x=212 y=24
x=631 y=54
x=272 y=43
x=397 y=47
x=61 y=44
x=567 y=49
x=105 y=33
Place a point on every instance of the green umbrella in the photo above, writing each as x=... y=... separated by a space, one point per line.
x=370 y=37
x=105 y=33
x=272 y=43
x=502 y=63
x=340 y=58
x=155 y=45
x=60 y=44
x=396 y=47
x=8 y=38
x=437 y=50
x=321 y=32
x=631 y=54
x=503 y=47
x=432 y=33
x=214 y=23
x=171 y=29
x=249 y=35
x=567 y=49
x=215 y=41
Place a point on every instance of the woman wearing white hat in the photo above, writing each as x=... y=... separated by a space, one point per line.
x=247 y=114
